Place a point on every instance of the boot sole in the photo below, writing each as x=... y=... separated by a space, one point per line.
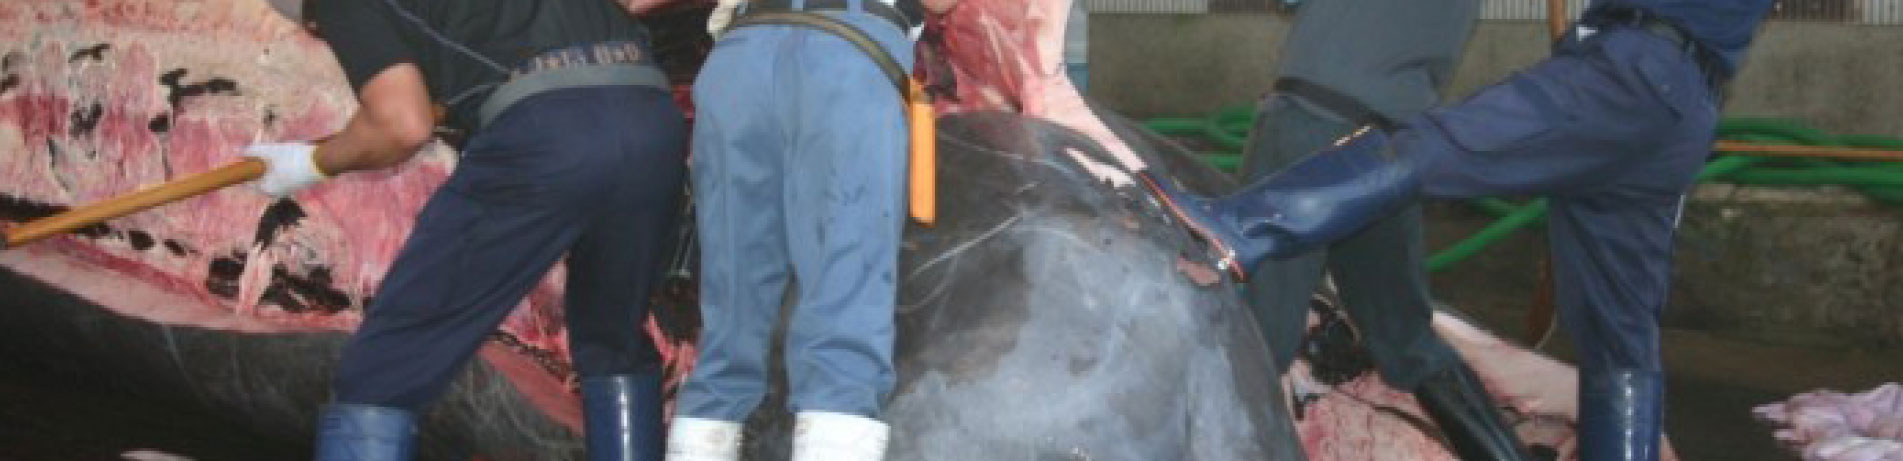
x=1224 y=255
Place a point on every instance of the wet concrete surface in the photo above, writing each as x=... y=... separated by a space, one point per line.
x=1715 y=377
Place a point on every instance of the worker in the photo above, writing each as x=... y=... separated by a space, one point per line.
x=799 y=171
x=1612 y=128
x=574 y=148
x=1348 y=63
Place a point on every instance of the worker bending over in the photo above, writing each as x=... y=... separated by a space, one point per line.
x=1613 y=128
x=575 y=148
x=799 y=173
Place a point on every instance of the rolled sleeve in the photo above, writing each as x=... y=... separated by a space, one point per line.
x=363 y=35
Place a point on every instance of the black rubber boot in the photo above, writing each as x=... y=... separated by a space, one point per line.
x=1461 y=407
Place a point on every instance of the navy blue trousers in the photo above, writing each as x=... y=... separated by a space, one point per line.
x=799 y=170
x=591 y=173
x=1613 y=130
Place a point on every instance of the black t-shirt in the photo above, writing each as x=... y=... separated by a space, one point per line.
x=369 y=36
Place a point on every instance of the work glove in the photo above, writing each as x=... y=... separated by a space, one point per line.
x=722 y=16
x=289 y=167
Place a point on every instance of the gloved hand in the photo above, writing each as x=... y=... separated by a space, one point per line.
x=721 y=17
x=640 y=7
x=289 y=167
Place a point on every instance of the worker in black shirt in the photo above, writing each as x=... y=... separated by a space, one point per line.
x=574 y=148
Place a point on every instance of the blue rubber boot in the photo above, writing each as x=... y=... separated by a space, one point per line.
x=354 y=432
x=1620 y=413
x=622 y=417
x=1317 y=200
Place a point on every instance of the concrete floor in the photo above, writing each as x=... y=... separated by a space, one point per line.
x=1715 y=378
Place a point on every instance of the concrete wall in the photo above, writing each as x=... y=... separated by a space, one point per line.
x=1146 y=65
x=1842 y=78
x=1811 y=267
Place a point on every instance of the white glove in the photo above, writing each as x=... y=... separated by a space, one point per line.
x=722 y=16
x=289 y=167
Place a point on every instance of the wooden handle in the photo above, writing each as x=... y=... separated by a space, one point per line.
x=144 y=199
x=1832 y=152
x=1555 y=19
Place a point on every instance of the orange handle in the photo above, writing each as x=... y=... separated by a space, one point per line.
x=924 y=160
x=1555 y=19
x=1778 y=150
x=188 y=187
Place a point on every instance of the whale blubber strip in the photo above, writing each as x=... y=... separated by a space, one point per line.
x=311 y=292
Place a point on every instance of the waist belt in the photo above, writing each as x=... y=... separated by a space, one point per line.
x=858 y=38
x=1343 y=105
x=1706 y=60
x=904 y=17
x=598 y=64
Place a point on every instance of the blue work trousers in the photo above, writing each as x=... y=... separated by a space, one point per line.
x=1613 y=130
x=592 y=173
x=799 y=170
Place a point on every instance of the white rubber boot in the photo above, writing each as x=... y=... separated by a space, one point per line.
x=700 y=439
x=828 y=436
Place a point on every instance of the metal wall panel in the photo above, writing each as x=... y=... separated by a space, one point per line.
x=1523 y=10
x=1147 y=6
x=1879 y=12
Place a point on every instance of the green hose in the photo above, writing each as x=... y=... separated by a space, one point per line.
x=1500 y=228
x=1228 y=130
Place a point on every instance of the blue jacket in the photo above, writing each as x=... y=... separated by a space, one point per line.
x=1724 y=27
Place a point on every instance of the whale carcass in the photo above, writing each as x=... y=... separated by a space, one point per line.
x=1053 y=312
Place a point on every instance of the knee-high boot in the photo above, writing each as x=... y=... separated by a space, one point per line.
x=1620 y=414
x=1317 y=200
x=1459 y=404
x=622 y=416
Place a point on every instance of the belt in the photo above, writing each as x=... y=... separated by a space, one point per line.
x=1707 y=61
x=593 y=54
x=858 y=38
x=1341 y=104
x=597 y=64
x=898 y=16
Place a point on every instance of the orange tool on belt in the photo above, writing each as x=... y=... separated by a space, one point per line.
x=917 y=108
x=924 y=159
